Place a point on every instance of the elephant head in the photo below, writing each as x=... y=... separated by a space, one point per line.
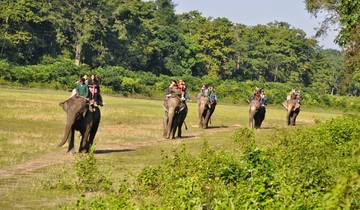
x=74 y=107
x=206 y=109
x=293 y=108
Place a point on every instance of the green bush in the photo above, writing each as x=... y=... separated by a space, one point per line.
x=61 y=73
x=310 y=168
x=89 y=178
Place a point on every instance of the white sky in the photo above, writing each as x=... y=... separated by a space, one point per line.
x=252 y=12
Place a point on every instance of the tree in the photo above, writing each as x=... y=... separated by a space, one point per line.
x=25 y=32
x=77 y=22
x=347 y=14
x=213 y=40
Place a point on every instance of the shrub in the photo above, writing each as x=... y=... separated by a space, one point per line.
x=89 y=178
x=311 y=168
x=61 y=73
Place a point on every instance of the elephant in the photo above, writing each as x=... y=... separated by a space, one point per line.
x=83 y=117
x=256 y=113
x=175 y=114
x=206 y=109
x=293 y=109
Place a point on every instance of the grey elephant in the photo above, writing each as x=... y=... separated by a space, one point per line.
x=206 y=109
x=256 y=113
x=175 y=114
x=293 y=109
x=83 y=117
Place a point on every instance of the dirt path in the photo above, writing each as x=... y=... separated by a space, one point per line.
x=9 y=175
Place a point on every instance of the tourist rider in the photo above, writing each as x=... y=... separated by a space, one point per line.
x=82 y=88
x=94 y=91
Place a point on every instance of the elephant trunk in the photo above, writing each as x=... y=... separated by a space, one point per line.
x=169 y=127
x=203 y=107
x=68 y=129
x=252 y=112
x=201 y=113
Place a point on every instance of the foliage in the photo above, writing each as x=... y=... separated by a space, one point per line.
x=148 y=36
x=347 y=14
x=309 y=168
x=89 y=178
x=61 y=73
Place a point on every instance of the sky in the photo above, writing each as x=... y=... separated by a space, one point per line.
x=252 y=12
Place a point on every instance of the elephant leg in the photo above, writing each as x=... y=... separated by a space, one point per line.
x=165 y=122
x=179 y=131
x=174 y=126
x=92 y=136
x=295 y=114
x=262 y=112
x=181 y=122
x=84 y=139
x=207 y=118
x=293 y=121
x=170 y=123
x=71 y=142
x=93 y=129
x=257 y=119
x=288 y=118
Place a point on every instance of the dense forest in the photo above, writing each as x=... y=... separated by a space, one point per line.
x=148 y=36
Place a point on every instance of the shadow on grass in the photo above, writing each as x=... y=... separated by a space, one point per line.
x=268 y=127
x=185 y=137
x=106 y=151
x=219 y=126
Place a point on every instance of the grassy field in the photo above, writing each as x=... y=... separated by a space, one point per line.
x=129 y=138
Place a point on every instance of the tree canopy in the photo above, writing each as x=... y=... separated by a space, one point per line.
x=347 y=14
x=149 y=36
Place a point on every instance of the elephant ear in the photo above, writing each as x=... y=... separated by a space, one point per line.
x=64 y=105
x=74 y=102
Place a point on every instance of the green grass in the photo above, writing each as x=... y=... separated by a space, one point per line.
x=32 y=123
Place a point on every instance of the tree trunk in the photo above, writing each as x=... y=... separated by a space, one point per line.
x=276 y=70
x=3 y=44
x=238 y=63
x=78 y=48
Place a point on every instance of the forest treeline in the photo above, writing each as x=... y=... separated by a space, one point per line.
x=148 y=36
